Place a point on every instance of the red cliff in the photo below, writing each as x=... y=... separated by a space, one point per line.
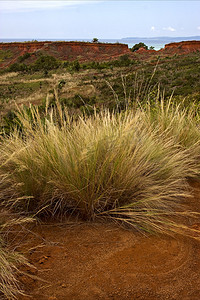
x=82 y=51
x=182 y=47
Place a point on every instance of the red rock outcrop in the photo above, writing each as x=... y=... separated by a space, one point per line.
x=182 y=47
x=143 y=50
x=82 y=51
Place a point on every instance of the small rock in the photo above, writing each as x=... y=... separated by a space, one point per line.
x=43 y=259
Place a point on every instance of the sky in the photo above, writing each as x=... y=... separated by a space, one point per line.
x=108 y=19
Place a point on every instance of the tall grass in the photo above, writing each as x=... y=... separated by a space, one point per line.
x=180 y=122
x=131 y=166
x=10 y=259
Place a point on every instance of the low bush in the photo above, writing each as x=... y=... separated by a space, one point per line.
x=44 y=62
x=24 y=57
x=5 y=54
x=18 y=67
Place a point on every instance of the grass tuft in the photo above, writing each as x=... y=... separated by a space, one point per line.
x=10 y=259
x=132 y=166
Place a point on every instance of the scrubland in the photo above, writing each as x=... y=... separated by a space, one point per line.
x=130 y=162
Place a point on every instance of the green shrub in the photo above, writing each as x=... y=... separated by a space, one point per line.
x=124 y=60
x=24 y=57
x=138 y=46
x=5 y=54
x=76 y=65
x=65 y=64
x=45 y=62
x=17 y=67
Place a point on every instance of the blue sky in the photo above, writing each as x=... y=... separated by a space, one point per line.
x=101 y=19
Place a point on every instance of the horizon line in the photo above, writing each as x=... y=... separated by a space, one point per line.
x=131 y=37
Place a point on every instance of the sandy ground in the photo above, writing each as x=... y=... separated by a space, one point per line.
x=79 y=261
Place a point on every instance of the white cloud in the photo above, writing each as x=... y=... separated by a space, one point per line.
x=198 y=27
x=153 y=28
x=26 y=5
x=169 y=28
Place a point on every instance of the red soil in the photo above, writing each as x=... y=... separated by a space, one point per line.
x=79 y=261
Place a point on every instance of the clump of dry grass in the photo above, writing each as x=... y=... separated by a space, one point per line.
x=179 y=123
x=131 y=166
x=10 y=259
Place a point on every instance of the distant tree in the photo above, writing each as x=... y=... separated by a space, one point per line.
x=138 y=46
x=95 y=40
x=151 y=48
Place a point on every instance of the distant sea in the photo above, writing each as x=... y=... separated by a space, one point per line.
x=156 y=42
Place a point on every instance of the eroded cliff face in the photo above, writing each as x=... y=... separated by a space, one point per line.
x=84 y=51
x=182 y=47
x=173 y=48
x=68 y=50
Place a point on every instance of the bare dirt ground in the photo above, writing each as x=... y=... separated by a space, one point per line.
x=79 y=261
